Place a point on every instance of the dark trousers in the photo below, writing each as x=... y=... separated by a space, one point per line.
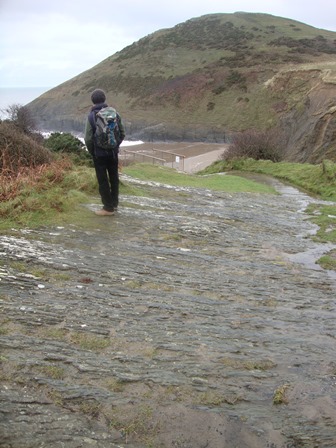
x=108 y=180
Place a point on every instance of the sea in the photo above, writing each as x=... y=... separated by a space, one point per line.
x=24 y=95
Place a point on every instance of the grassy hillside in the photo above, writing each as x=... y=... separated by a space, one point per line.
x=203 y=78
x=205 y=64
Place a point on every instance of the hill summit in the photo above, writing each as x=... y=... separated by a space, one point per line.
x=211 y=76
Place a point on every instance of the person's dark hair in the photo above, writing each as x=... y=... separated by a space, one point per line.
x=98 y=96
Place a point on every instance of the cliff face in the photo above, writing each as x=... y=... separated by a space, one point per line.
x=309 y=114
x=210 y=77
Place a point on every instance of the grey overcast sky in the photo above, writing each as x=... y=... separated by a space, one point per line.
x=44 y=43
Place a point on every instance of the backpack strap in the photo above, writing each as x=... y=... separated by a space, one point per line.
x=92 y=120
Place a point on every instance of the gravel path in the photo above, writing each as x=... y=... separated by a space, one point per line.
x=190 y=319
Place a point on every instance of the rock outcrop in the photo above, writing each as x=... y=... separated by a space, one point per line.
x=191 y=318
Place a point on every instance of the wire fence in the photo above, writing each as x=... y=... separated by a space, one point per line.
x=167 y=158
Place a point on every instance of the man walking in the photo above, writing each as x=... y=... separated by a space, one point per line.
x=105 y=160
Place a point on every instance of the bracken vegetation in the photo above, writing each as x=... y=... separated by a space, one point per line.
x=18 y=150
x=36 y=182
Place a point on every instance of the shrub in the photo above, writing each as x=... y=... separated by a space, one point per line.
x=211 y=106
x=235 y=79
x=218 y=90
x=21 y=117
x=66 y=143
x=257 y=145
x=18 y=150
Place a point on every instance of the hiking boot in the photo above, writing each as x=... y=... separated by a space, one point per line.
x=104 y=212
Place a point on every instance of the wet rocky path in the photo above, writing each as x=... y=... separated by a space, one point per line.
x=186 y=320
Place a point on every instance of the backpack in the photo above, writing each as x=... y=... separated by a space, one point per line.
x=107 y=133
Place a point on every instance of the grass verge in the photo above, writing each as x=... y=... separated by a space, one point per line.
x=319 y=180
x=49 y=194
x=231 y=184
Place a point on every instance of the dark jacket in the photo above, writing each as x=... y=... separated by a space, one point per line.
x=90 y=130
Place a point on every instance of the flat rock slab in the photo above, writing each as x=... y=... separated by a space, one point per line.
x=188 y=319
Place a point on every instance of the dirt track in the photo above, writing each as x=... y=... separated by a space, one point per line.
x=171 y=324
x=198 y=163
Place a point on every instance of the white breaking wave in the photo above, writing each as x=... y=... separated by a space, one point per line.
x=124 y=143
x=129 y=143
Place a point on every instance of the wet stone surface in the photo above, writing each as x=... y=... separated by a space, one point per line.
x=185 y=320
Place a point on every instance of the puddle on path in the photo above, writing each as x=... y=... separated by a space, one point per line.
x=309 y=257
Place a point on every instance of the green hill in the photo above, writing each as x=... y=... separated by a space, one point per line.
x=211 y=76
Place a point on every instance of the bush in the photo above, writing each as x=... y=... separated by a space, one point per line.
x=66 y=143
x=257 y=145
x=236 y=79
x=21 y=117
x=18 y=150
